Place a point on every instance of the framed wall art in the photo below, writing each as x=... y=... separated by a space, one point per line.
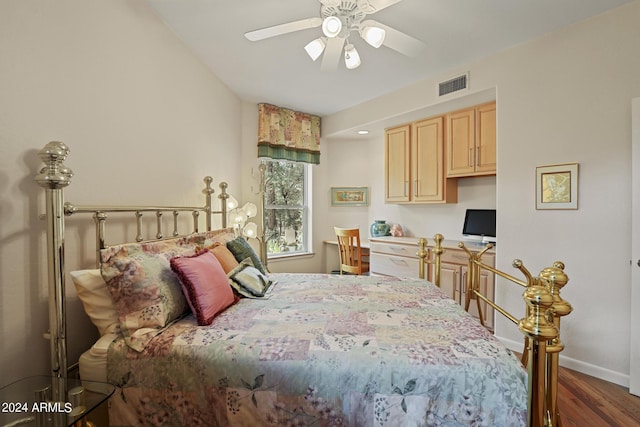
x=349 y=196
x=557 y=186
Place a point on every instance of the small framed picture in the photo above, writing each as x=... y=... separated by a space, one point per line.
x=557 y=186
x=349 y=196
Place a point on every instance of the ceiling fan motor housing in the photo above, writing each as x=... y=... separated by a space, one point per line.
x=349 y=13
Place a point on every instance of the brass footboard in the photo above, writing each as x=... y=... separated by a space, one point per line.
x=540 y=325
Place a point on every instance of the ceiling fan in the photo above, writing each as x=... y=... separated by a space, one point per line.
x=340 y=18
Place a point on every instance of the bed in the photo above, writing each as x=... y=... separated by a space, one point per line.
x=287 y=349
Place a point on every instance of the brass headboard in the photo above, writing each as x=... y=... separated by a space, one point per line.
x=54 y=177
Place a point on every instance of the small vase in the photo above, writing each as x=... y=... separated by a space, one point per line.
x=380 y=228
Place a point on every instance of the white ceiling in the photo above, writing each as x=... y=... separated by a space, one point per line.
x=278 y=70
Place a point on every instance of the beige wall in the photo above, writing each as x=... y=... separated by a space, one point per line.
x=141 y=116
x=117 y=86
x=565 y=97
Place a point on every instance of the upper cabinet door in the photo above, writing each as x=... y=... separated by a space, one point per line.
x=461 y=143
x=486 y=138
x=471 y=141
x=397 y=167
x=427 y=160
x=428 y=183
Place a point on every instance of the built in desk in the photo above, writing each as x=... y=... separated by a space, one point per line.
x=397 y=257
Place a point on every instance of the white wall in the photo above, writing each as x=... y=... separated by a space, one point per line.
x=565 y=97
x=145 y=122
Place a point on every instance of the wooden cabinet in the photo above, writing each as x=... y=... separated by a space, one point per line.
x=471 y=141
x=414 y=164
x=453 y=277
x=396 y=256
x=397 y=146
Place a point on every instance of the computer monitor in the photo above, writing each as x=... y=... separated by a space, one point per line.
x=480 y=224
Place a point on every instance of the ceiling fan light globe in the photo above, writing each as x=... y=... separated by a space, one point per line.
x=373 y=35
x=351 y=57
x=315 y=48
x=331 y=26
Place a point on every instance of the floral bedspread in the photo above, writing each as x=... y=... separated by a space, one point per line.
x=324 y=350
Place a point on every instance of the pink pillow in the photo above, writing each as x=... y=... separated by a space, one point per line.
x=205 y=285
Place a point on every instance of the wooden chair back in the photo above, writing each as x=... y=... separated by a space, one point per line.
x=350 y=251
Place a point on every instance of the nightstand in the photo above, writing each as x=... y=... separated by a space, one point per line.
x=33 y=401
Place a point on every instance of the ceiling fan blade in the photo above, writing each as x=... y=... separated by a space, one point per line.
x=397 y=40
x=289 y=27
x=373 y=6
x=332 y=54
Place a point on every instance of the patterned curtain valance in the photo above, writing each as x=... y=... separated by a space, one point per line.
x=287 y=134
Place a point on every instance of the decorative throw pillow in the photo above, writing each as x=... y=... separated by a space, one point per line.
x=248 y=281
x=241 y=249
x=224 y=256
x=205 y=285
x=96 y=300
x=147 y=294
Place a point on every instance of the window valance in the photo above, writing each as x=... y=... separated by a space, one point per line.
x=287 y=134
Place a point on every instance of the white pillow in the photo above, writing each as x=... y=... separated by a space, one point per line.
x=97 y=301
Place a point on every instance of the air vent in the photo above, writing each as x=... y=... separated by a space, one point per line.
x=453 y=85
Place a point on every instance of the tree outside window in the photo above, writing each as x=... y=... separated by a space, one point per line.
x=286 y=209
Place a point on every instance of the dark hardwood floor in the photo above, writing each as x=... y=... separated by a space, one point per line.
x=585 y=401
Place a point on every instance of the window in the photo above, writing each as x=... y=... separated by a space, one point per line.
x=287 y=217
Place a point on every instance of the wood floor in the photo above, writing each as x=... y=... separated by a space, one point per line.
x=585 y=401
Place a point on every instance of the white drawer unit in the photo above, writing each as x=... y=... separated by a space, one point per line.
x=396 y=256
x=393 y=265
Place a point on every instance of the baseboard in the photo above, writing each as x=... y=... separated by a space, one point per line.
x=578 y=365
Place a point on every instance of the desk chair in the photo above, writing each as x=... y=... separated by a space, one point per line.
x=350 y=251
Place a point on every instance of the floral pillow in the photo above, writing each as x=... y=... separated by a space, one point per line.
x=146 y=293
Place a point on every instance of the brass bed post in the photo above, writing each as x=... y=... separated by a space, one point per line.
x=437 y=258
x=223 y=196
x=555 y=278
x=100 y=218
x=423 y=255
x=223 y=203
x=208 y=191
x=53 y=178
x=539 y=331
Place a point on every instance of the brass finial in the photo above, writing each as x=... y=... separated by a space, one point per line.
x=527 y=274
x=536 y=325
x=54 y=174
x=422 y=246
x=223 y=191
x=556 y=279
x=207 y=182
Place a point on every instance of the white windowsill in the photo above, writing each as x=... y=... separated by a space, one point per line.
x=288 y=257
